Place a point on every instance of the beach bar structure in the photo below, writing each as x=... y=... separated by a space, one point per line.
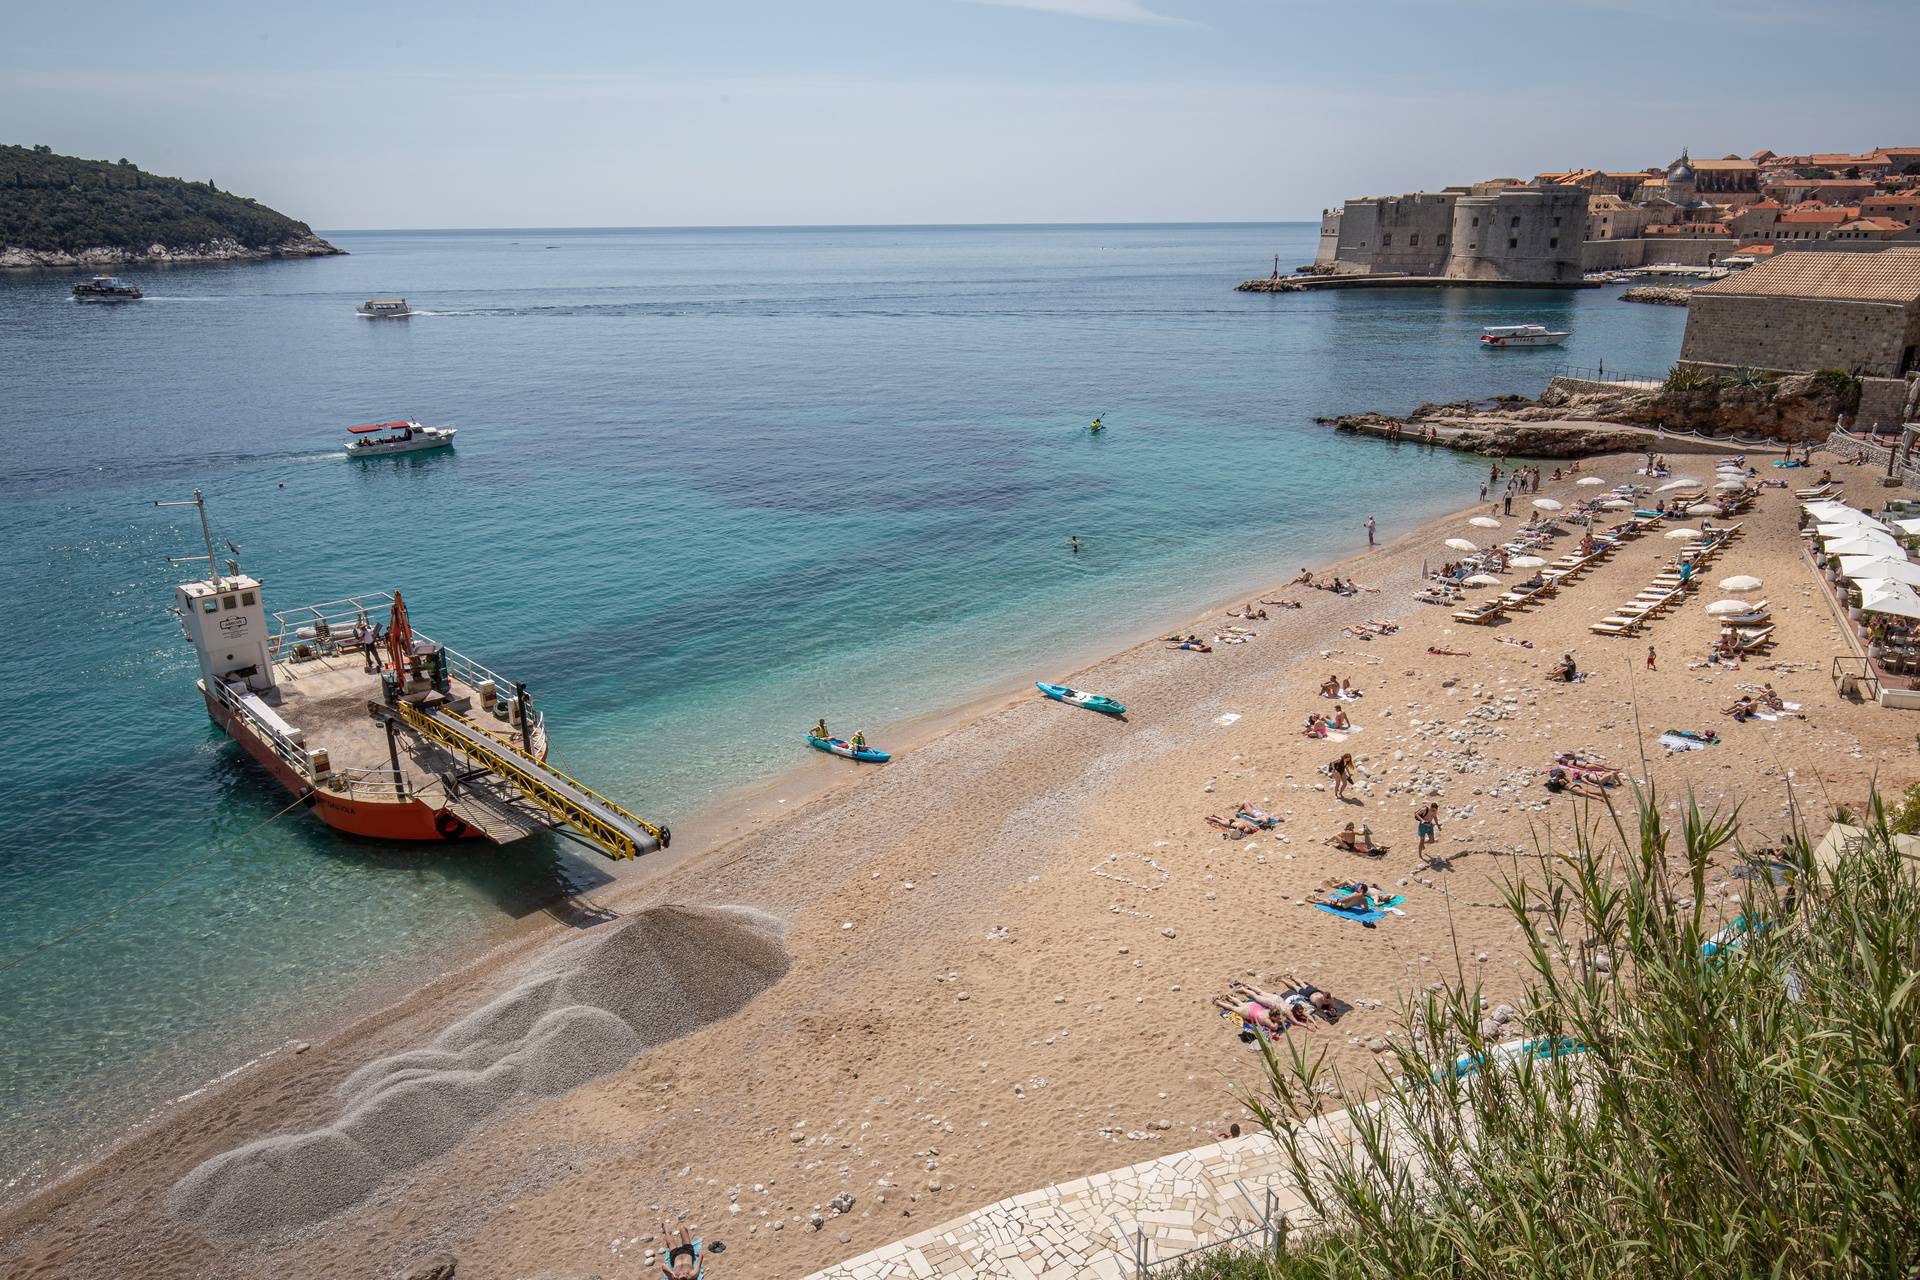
x=1873 y=587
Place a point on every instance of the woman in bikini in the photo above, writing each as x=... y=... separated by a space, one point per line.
x=1341 y=771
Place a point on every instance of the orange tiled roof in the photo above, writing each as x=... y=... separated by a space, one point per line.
x=1891 y=275
x=1731 y=163
x=1756 y=250
x=1812 y=217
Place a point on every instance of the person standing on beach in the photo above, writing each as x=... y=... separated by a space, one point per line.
x=1650 y=664
x=1483 y=491
x=1426 y=821
x=1369 y=530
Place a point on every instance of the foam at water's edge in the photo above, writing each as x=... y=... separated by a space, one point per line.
x=581 y=1012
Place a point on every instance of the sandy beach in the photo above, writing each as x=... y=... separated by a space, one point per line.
x=990 y=964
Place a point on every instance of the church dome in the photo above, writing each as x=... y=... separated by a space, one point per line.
x=1682 y=170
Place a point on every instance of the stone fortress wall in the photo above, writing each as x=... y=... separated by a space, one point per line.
x=1870 y=339
x=1519 y=233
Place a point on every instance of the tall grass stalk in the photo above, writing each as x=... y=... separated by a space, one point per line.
x=1754 y=1112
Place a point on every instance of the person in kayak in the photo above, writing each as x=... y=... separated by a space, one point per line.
x=820 y=730
x=859 y=742
x=1098 y=424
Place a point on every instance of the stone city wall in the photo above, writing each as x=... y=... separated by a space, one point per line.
x=1866 y=338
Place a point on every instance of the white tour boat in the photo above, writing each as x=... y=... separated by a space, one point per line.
x=378 y=439
x=385 y=309
x=1521 y=335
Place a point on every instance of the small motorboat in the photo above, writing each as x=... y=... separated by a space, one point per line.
x=378 y=439
x=1075 y=697
x=105 y=288
x=1521 y=335
x=841 y=747
x=384 y=309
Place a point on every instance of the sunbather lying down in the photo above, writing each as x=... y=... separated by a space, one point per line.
x=1357 y=841
x=1560 y=780
x=1345 y=895
x=1246 y=820
x=1293 y=994
x=1283 y=603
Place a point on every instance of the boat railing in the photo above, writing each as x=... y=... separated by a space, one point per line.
x=328 y=627
x=369 y=782
x=291 y=753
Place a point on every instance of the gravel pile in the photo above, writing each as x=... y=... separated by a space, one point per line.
x=580 y=1013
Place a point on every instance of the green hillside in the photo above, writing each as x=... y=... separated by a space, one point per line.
x=63 y=204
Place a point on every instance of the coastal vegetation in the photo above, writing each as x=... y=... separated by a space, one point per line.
x=62 y=205
x=1716 y=1102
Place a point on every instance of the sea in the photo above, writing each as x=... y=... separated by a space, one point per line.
x=710 y=485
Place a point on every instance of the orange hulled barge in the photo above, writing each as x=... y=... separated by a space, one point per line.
x=380 y=730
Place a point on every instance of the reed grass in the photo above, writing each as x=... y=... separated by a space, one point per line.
x=1753 y=1112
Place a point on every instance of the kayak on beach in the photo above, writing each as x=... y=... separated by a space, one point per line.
x=841 y=747
x=1091 y=701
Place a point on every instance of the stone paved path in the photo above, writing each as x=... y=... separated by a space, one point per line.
x=1089 y=1227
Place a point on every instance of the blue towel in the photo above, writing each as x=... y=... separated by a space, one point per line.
x=1367 y=916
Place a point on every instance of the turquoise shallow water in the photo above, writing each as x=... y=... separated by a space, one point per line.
x=711 y=484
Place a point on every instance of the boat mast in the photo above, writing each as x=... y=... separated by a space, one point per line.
x=213 y=566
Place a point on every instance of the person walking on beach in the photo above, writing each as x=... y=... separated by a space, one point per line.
x=1426 y=822
x=1341 y=771
x=1483 y=491
x=1650 y=663
x=1369 y=530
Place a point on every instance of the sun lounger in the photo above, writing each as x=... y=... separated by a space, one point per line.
x=1818 y=491
x=1481 y=614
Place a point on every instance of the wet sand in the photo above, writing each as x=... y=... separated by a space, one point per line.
x=1004 y=945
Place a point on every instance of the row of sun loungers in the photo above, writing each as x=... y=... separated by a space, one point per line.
x=1666 y=592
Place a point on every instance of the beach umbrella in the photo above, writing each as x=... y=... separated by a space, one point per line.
x=1907 y=526
x=1848 y=517
x=1546 y=504
x=1884 y=596
x=1868 y=568
x=1867 y=544
x=1731 y=484
x=1618 y=504
x=1526 y=562
x=1684 y=534
x=1740 y=582
x=1825 y=531
x=1719 y=607
x=1481 y=580
x=1589 y=480
x=1461 y=544
x=1671 y=485
x=1484 y=522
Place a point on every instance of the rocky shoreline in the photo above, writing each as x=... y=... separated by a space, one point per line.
x=308 y=246
x=1658 y=295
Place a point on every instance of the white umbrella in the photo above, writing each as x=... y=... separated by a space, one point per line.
x=1884 y=596
x=1719 y=607
x=1481 y=580
x=1618 y=504
x=1740 y=582
x=1848 y=517
x=1731 y=484
x=1866 y=544
x=1546 y=504
x=1868 y=568
x=1484 y=522
x=1671 y=485
x=1526 y=562
x=1689 y=534
x=1589 y=480
x=1461 y=544
x=1825 y=531
x=1907 y=526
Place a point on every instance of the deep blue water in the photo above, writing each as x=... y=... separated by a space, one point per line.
x=710 y=484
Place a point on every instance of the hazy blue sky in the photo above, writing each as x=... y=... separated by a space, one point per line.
x=431 y=114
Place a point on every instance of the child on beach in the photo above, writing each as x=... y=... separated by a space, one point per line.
x=1426 y=821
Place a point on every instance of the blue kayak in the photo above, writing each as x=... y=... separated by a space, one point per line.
x=1078 y=698
x=841 y=747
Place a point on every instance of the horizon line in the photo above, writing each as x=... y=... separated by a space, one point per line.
x=835 y=226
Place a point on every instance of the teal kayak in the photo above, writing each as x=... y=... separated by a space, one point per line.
x=841 y=747
x=1075 y=697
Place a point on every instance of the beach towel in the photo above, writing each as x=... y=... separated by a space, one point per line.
x=1370 y=915
x=1688 y=740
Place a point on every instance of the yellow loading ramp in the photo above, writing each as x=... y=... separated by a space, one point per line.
x=602 y=823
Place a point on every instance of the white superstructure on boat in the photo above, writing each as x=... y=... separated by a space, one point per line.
x=104 y=288
x=378 y=439
x=1521 y=335
x=385 y=309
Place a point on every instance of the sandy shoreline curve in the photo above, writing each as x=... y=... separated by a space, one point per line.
x=1002 y=945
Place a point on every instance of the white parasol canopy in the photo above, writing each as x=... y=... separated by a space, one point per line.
x=1547 y=504
x=1481 y=580
x=1589 y=480
x=1884 y=596
x=1618 y=504
x=1731 y=484
x=1671 y=485
x=1484 y=522
x=1740 y=582
x=1866 y=543
x=1526 y=562
x=1461 y=544
x=1843 y=515
x=1719 y=607
x=1869 y=568
x=1683 y=533
x=1908 y=527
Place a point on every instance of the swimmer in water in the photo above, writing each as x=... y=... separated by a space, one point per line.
x=1075 y=544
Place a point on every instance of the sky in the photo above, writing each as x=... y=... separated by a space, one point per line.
x=552 y=113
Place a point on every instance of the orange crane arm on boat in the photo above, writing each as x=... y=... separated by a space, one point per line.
x=399 y=638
